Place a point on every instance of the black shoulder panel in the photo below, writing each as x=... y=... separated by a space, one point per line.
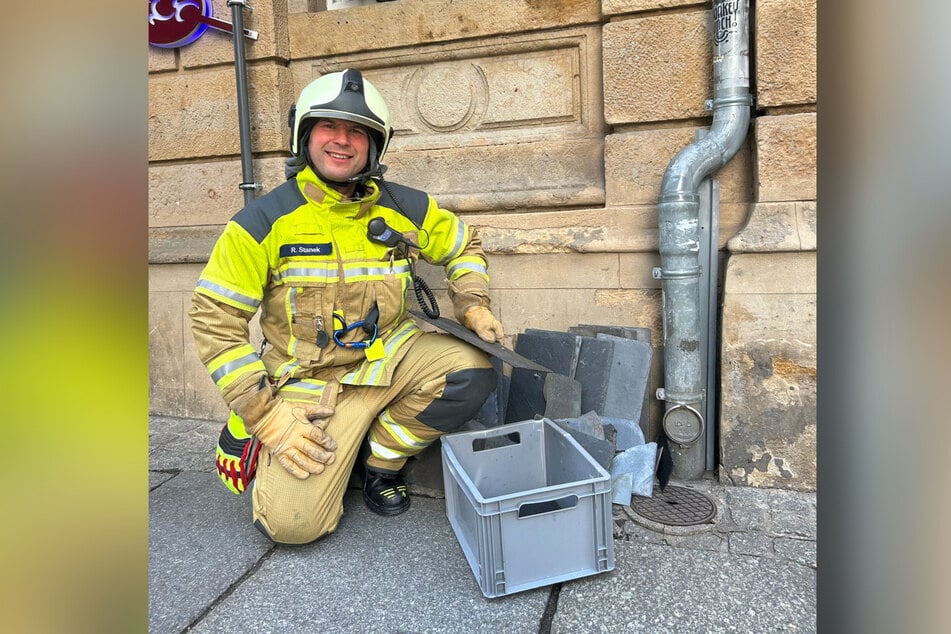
x=258 y=217
x=410 y=202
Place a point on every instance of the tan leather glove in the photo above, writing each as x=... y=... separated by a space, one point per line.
x=482 y=322
x=293 y=433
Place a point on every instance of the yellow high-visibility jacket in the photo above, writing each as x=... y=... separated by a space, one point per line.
x=300 y=254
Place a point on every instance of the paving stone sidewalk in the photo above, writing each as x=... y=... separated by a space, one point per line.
x=752 y=570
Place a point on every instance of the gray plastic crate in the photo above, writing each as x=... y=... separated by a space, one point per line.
x=528 y=505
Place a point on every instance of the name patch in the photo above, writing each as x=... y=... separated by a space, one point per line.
x=290 y=250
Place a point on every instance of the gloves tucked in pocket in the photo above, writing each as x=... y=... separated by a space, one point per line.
x=236 y=456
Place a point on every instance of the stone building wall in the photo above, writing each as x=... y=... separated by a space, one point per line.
x=547 y=124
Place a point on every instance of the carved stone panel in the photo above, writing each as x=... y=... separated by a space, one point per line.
x=507 y=123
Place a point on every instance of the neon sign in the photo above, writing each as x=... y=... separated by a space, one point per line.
x=175 y=23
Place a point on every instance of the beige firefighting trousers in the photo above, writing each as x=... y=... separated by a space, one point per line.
x=440 y=384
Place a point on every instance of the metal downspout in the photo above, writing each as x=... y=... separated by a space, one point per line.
x=241 y=79
x=679 y=204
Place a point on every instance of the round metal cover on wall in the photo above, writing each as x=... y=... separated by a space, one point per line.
x=676 y=506
x=683 y=424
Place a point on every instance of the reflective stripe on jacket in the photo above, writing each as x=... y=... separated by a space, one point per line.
x=301 y=254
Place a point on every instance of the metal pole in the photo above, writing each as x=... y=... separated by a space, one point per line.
x=241 y=80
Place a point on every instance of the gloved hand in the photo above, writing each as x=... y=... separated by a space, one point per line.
x=293 y=433
x=482 y=322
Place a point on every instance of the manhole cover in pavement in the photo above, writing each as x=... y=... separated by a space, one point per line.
x=677 y=506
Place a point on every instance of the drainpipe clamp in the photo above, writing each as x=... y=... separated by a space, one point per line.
x=676 y=274
x=727 y=101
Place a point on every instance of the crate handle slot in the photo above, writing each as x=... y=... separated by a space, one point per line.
x=531 y=509
x=495 y=442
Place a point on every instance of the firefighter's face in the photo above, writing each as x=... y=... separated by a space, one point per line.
x=339 y=149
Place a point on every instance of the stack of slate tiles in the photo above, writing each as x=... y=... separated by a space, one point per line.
x=596 y=389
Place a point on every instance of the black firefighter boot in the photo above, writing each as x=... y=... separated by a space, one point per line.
x=384 y=493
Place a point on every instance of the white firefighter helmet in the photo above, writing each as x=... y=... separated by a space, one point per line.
x=342 y=95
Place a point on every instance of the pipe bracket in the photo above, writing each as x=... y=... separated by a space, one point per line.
x=680 y=398
x=671 y=274
x=729 y=101
x=240 y=3
x=251 y=186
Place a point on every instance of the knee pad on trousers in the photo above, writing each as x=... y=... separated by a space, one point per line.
x=463 y=396
x=296 y=538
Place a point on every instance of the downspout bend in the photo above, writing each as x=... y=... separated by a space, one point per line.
x=679 y=230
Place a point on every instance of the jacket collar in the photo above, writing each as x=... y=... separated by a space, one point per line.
x=321 y=193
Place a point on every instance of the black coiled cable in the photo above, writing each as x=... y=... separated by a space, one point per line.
x=420 y=287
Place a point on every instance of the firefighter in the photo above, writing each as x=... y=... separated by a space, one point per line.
x=345 y=378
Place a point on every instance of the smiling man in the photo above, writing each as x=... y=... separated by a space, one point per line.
x=338 y=151
x=345 y=377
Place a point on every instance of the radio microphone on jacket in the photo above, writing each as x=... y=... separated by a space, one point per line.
x=379 y=231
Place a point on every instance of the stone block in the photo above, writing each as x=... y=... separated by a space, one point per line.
x=627 y=229
x=771 y=274
x=179 y=384
x=785 y=157
x=561 y=308
x=768 y=371
x=194 y=115
x=615 y=7
x=658 y=67
x=538 y=174
x=215 y=47
x=786 y=52
x=166 y=381
x=162 y=59
x=303 y=6
x=636 y=271
x=630 y=231
x=333 y=5
x=806 y=221
x=180 y=245
x=408 y=23
x=788 y=226
x=557 y=270
x=205 y=193
x=635 y=163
